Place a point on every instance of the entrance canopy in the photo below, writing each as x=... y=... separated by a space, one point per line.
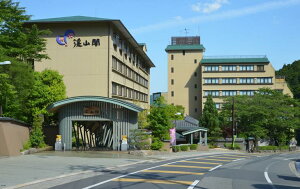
x=55 y=106
x=95 y=121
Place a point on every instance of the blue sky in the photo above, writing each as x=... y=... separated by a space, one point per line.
x=226 y=27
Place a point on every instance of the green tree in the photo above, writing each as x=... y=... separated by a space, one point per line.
x=268 y=114
x=292 y=76
x=16 y=40
x=210 y=119
x=48 y=88
x=159 y=119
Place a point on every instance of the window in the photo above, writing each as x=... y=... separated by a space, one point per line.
x=247 y=68
x=172 y=70
x=172 y=93
x=211 y=68
x=114 y=63
x=247 y=92
x=196 y=110
x=264 y=80
x=172 y=81
x=212 y=93
x=195 y=74
x=228 y=80
x=211 y=81
x=172 y=57
x=228 y=93
x=246 y=80
x=183 y=53
x=228 y=68
x=114 y=88
x=218 y=106
x=196 y=98
x=196 y=86
x=260 y=68
x=195 y=61
x=119 y=90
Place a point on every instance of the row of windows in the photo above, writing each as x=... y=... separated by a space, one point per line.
x=129 y=53
x=233 y=68
x=229 y=93
x=128 y=72
x=122 y=91
x=172 y=57
x=249 y=80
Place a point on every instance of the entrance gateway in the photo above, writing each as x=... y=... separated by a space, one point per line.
x=95 y=122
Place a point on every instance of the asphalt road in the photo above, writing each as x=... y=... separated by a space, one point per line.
x=226 y=171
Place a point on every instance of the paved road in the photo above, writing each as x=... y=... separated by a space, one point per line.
x=173 y=174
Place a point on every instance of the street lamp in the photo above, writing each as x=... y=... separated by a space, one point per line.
x=3 y=63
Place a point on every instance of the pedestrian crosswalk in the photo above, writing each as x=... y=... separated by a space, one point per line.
x=180 y=173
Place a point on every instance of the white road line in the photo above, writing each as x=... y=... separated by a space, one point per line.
x=100 y=183
x=267 y=178
x=194 y=184
x=215 y=168
x=238 y=159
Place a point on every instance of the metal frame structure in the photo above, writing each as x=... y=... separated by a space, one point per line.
x=121 y=115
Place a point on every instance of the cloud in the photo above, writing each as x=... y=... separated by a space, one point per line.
x=175 y=22
x=212 y=6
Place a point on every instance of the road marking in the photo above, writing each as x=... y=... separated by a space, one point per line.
x=238 y=159
x=153 y=181
x=194 y=184
x=235 y=155
x=214 y=159
x=106 y=181
x=267 y=178
x=200 y=162
x=215 y=168
x=175 y=172
x=222 y=157
x=187 y=166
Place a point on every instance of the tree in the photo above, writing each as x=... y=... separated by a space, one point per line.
x=268 y=114
x=36 y=135
x=159 y=119
x=48 y=88
x=292 y=76
x=16 y=40
x=210 y=118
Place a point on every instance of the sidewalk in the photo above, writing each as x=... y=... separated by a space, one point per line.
x=62 y=167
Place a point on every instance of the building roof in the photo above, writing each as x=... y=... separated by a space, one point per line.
x=69 y=19
x=234 y=59
x=57 y=105
x=5 y=119
x=196 y=47
x=117 y=23
x=189 y=124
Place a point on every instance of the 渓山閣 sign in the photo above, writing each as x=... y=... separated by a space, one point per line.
x=69 y=35
x=91 y=110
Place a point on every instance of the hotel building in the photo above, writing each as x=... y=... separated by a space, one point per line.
x=192 y=76
x=97 y=57
x=107 y=77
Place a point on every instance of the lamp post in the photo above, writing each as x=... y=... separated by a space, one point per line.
x=3 y=63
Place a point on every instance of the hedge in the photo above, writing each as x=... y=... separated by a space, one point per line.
x=176 y=148
x=184 y=148
x=193 y=147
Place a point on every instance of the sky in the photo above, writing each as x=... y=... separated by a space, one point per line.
x=226 y=27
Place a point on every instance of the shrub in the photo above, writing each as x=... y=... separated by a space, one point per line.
x=26 y=145
x=193 y=147
x=267 y=147
x=235 y=147
x=176 y=148
x=184 y=148
x=156 y=144
x=284 y=147
x=36 y=135
x=211 y=145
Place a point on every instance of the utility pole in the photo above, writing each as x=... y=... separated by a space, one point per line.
x=233 y=123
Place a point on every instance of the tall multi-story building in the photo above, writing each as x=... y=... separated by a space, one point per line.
x=184 y=73
x=192 y=76
x=97 y=57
